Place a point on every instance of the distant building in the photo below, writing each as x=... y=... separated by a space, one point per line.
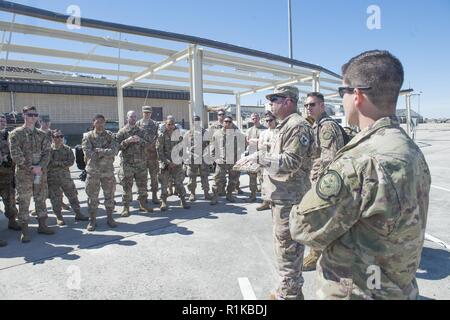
x=402 y=115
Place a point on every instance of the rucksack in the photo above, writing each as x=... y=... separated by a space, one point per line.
x=345 y=135
x=79 y=157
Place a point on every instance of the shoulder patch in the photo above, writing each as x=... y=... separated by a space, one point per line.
x=327 y=135
x=329 y=185
x=304 y=140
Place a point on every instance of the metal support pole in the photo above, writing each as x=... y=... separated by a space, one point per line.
x=120 y=107
x=291 y=49
x=316 y=82
x=238 y=111
x=408 y=114
x=196 y=75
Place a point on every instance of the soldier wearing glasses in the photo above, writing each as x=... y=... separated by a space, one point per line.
x=30 y=151
x=287 y=168
x=329 y=139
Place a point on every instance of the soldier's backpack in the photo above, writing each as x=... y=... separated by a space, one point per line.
x=345 y=135
x=79 y=157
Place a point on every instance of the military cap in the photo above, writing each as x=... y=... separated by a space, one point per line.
x=228 y=117
x=147 y=109
x=288 y=91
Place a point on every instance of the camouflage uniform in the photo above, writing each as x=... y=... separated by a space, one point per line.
x=59 y=179
x=222 y=157
x=151 y=156
x=133 y=164
x=254 y=133
x=7 y=191
x=368 y=211
x=165 y=145
x=196 y=165
x=100 y=168
x=30 y=147
x=329 y=140
x=286 y=180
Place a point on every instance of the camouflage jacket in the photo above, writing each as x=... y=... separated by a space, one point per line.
x=253 y=133
x=227 y=146
x=165 y=144
x=288 y=165
x=329 y=140
x=132 y=153
x=61 y=159
x=368 y=212
x=151 y=135
x=29 y=147
x=196 y=144
x=99 y=161
x=266 y=140
x=6 y=164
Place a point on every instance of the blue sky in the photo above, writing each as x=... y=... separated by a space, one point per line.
x=325 y=32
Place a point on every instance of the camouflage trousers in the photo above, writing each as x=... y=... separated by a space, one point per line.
x=153 y=170
x=57 y=185
x=108 y=184
x=27 y=189
x=8 y=194
x=127 y=174
x=220 y=178
x=177 y=175
x=254 y=178
x=193 y=170
x=289 y=254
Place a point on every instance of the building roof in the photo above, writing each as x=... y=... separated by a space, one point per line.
x=403 y=113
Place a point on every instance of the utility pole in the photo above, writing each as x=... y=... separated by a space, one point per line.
x=291 y=49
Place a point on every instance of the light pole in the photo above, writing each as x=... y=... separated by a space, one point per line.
x=291 y=49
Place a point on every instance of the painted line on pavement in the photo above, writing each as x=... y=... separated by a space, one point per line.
x=246 y=289
x=437 y=241
x=440 y=188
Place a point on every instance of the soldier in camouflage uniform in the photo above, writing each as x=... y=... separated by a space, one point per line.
x=150 y=128
x=169 y=139
x=368 y=209
x=286 y=169
x=59 y=179
x=252 y=138
x=132 y=142
x=100 y=149
x=227 y=145
x=194 y=138
x=7 y=191
x=329 y=139
x=30 y=151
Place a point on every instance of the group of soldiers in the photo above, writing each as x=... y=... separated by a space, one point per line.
x=360 y=205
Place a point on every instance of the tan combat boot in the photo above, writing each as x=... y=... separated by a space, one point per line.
x=239 y=191
x=59 y=219
x=264 y=206
x=79 y=216
x=155 y=197
x=110 y=220
x=310 y=262
x=170 y=191
x=13 y=225
x=25 y=234
x=92 y=221
x=207 y=195
x=184 y=204
x=143 y=207
x=230 y=197
x=192 y=197
x=125 y=212
x=215 y=198
x=43 y=228
x=252 y=197
x=163 y=206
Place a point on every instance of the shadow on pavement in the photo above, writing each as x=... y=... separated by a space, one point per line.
x=435 y=263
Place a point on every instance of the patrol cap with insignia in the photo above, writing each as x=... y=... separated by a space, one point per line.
x=147 y=109
x=288 y=92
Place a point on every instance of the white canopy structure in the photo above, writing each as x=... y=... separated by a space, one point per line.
x=129 y=56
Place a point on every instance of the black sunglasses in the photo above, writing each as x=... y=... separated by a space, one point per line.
x=269 y=120
x=31 y=115
x=310 y=105
x=58 y=137
x=221 y=114
x=228 y=121
x=350 y=90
